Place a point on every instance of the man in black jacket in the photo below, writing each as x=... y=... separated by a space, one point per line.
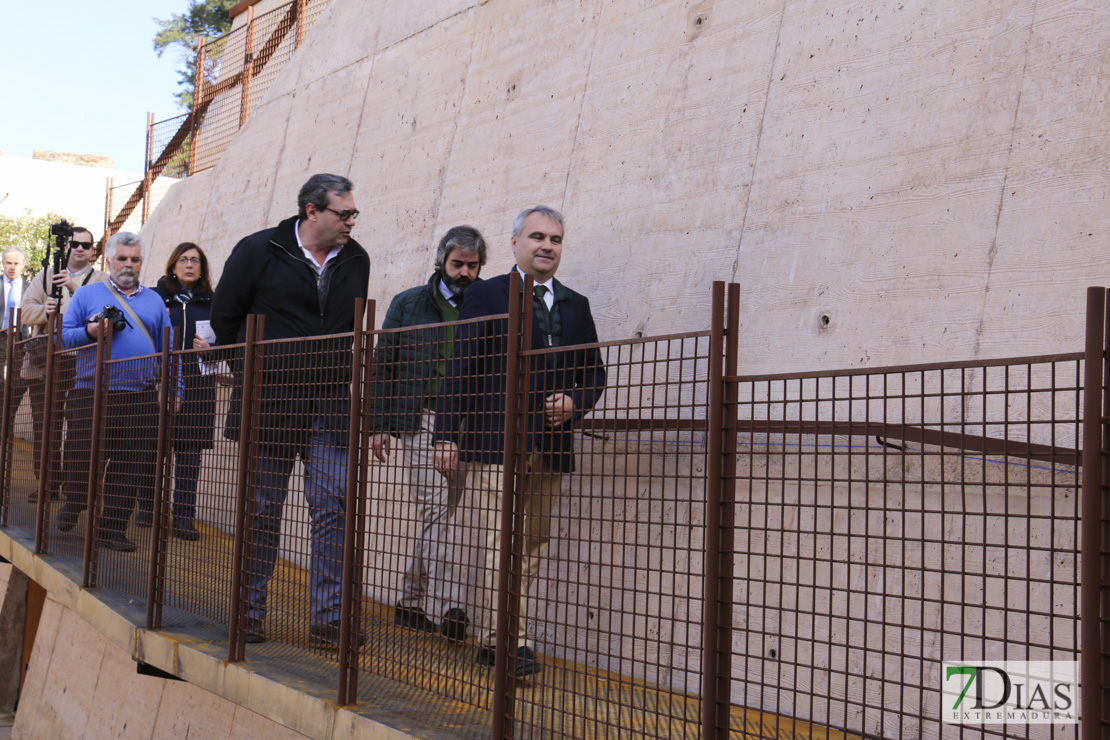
x=564 y=384
x=409 y=365
x=304 y=276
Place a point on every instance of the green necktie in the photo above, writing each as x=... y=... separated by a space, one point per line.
x=541 y=311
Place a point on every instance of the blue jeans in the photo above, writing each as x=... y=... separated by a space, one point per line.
x=325 y=489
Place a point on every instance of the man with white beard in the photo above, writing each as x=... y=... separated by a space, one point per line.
x=130 y=431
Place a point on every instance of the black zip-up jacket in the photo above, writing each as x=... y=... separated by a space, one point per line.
x=193 y=422
x=268 y=274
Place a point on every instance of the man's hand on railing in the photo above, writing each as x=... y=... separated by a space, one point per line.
x=380 y=444
x=445 y=458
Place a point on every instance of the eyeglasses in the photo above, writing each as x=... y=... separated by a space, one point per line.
x=188 y=260
x=132 y=260
x=344 y=215
x=81 y=245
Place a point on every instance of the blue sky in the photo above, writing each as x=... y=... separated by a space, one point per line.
x=80 y=76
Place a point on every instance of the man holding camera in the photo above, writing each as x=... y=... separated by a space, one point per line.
x=39 y=302
x=130 y=430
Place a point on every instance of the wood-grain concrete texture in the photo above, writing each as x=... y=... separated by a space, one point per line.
x=888 y=179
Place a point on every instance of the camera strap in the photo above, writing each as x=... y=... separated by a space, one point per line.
x=134 y=318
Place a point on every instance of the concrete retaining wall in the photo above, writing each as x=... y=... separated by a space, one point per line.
x=888 y=179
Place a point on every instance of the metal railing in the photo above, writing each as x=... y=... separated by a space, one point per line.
x=233 y=73
x=733 y=556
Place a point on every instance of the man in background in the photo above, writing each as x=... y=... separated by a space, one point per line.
x=37 y=307
x=14 y=288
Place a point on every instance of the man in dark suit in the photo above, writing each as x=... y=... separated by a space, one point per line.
x=15 y=285
x=14 y=288
x=563 y=386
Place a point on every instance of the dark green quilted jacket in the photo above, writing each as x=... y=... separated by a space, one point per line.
x=405 y=359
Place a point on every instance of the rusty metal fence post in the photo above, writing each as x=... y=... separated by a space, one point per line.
x=108 y=197
x=248 y=70
x=53 y=339
x=236 y=647
x=348 y=621
x=147 y=179
x=512 y=476
x=711 y=585
x=198 y=95
x=6 y=428
x=1094 y=591
x=361 y=501
x=159 y=541
x=727 y=524
x=301 y=6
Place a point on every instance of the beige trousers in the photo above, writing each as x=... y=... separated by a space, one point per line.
x=541 y=489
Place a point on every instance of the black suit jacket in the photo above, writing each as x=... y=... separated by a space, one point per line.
x=24 y=330
x=475 y=386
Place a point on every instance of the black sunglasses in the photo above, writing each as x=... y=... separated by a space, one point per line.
x=344 y=215
x=82 y=245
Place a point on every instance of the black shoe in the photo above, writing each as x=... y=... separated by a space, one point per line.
x=413 y=618
x=454 y=625
x=185 y=531
x=119 y=544
x=327 y=635
x=254 y=632
x=526 y=663
x=67 y=519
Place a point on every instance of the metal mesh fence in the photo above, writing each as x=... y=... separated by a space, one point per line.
x=423 y=548
x=219 y=100
x=20 y=478
x=298 y=494
x=125 y=212
x=57 y=407
x=199 y=491
x=888 y=521
x=235 y=73
x=558 y=583
x=169 y=147
x=239 y=68
x=615 y=616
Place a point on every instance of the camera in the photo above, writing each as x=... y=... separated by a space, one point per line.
x=61 y=232
x=113 y=314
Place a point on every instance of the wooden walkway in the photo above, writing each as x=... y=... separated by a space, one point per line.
x=432 y=682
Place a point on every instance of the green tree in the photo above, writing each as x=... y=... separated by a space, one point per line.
x=31 y=234
x=207 y=18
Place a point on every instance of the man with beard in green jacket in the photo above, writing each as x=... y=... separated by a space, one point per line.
x=409 y=365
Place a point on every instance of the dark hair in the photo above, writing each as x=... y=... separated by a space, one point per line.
x=204 y=282
x=463 y=238
x=316 y=190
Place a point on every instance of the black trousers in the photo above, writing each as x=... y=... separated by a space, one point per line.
x=129 y=444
